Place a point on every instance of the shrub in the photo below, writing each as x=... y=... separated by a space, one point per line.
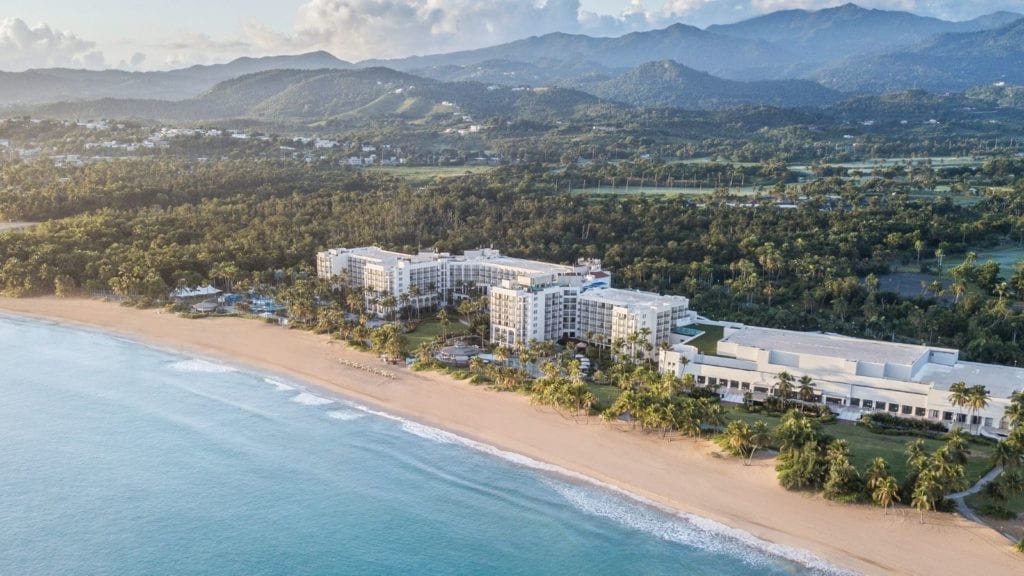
x=883 y=423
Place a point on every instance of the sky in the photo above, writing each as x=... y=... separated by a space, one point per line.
x=147 y=35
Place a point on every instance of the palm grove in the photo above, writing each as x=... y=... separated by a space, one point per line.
x=139 y=228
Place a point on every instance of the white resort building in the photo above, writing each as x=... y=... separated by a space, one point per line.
x=851 y=375
x=528 y=300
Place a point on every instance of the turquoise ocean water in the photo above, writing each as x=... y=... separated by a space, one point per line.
x=123 y=459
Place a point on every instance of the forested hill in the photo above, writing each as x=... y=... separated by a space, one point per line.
x=947 y=62
x=671 y=84
x=340 y=96
x=849 y=30
x=62 y=84
x=715 y=53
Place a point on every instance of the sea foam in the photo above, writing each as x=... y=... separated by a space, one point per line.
x=204 y=366
x=632 y=510
x=278 y=385
x=311 y=399
x=345 y=415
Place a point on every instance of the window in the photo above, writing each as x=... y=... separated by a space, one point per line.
x=947 y=416
x=760 y=389
x=745 y=385
x=854 y=401
x=894 y=408
x=734 y=384
x=988 y=422
x=869 y=404
x=701 y=380
x=919 y=412
x=907 y=410
x=712 y=381
x=933 y=414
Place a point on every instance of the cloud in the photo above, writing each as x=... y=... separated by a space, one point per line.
x=358 y=29
x=23 y=47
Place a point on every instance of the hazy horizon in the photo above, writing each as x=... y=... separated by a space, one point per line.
x=113 y=34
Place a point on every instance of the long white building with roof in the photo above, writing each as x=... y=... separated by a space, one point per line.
x=851 y=375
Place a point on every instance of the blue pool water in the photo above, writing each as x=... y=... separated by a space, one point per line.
x=118 y=458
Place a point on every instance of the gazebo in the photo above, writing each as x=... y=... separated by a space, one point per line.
x=458 y=354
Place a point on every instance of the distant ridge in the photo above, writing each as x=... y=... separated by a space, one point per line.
x=946 y=62
x=57 y=84
x=708 y=51
x=670 y=84
x=849 y=30
x=847 y=48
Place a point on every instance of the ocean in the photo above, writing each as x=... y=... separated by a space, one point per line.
x=118 y=458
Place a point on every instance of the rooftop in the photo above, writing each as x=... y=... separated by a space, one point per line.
x=829 y=345
x=521 y=265
x=634 y=298
x=1001 y=381
x=388 y=257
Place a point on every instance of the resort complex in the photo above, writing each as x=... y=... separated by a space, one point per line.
x=527 y=299
x=530 y=300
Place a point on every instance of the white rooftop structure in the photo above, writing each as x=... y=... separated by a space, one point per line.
x=197 y=292
x=849 y=374
x=519 y=265
x=1001 y=381
x=388 y=257
x=634 y=298
x=832 y=346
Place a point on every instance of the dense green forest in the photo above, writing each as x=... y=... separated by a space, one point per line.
x=140 y=227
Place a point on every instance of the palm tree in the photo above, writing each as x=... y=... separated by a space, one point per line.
x=1007 y=454
x=783 y=386
x=442 y=317
x=760 y=436
x=977 y=400
x=886 y=492
x=736 y=438
x=925 y=490
x=1015 y=411
x=956 y=447
x=916 y=456
x=806 y=391
x=501 y=355
x=958 y=396
x=877 y=471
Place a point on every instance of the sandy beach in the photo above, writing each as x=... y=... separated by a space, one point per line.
x=686 y=475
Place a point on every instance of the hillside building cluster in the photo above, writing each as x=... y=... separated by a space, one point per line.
x=532 y=300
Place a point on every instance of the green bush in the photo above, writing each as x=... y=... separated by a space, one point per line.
x=887 y=424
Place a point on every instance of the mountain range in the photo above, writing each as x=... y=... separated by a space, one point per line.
x=789 y=58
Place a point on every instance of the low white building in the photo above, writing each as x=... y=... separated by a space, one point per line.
x=851 y=375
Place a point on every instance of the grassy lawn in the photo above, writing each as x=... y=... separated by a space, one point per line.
x=1006 y=256
x=662 y=190
x=707 y=343
x=1015 y=505
x=866 y=445
x=605 y=395
x=425 y=174
x=430 y=328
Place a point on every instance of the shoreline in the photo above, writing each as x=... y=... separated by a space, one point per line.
x=681 y=476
